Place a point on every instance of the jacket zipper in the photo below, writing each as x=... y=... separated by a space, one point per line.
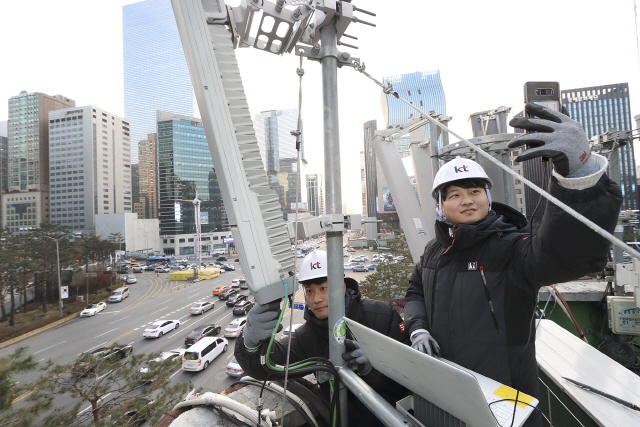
x=488 y=295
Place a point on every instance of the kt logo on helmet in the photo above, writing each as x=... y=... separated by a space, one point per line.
x=460 y=169
x=315 y=265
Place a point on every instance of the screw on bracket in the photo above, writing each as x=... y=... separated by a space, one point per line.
x=279 y=5
x=316 y=49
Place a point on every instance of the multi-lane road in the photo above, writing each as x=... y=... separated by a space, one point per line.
x=151 y=299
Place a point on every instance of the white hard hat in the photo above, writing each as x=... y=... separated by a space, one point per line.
x=313 y=266
x=456 y=169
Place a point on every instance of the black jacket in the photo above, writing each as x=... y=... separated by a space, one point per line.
x=447 y=296
x=312 y=340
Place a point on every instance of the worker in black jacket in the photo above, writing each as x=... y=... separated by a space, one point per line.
x=472 y=296
x=312 y=338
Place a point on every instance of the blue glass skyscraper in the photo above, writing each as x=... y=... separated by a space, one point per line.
x=423 y=89
x=156 y=76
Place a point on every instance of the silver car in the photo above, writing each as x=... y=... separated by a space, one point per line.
x=235 y=327
x=234 y=369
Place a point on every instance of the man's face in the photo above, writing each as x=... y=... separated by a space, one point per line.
x=465 y=205
x=317 y=297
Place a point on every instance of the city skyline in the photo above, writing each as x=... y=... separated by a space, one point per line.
x=476 y=77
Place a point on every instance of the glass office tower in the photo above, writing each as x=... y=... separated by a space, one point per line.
x=156 y=76
x=423 y=89
x=606 y=108
x=185 y=169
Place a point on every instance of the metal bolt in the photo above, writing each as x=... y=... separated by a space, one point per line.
x=316 y=48
x=312 y=25
x=297 y=13
x=345 y=55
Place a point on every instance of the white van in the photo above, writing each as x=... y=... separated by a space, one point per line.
x=201 y=354
x=119 y=294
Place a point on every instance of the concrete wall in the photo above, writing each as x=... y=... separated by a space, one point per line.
x=138 y=234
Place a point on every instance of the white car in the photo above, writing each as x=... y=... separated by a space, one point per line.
x=131 y=279
x=235 y=283
x=92 y=309
x=159 y=328
x=200 y=355
x=235 y=327
x=174 y=355
x=201 y=307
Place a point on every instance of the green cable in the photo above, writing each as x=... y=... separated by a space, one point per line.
x=273 y=336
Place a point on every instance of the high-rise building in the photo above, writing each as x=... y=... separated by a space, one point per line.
x=90 y=166
x=148 y=157
x=135 y=183
x=3 y=170
x=422 y=89
x=26 y=204
x=607 y=108
x=315 y=194
x=185 y=170
x=278 y=149
x=370 y=171
x=156 y=76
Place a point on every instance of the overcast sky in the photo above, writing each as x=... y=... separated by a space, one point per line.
x=485 y=51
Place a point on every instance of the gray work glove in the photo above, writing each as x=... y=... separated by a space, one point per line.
x=422 y=341
x=356 y=358
x=556 y=136
x=261 y=321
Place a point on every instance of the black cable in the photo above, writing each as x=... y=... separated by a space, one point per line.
x=231 y=418
x=293 y=403
x=314 y=399
x=525 y=403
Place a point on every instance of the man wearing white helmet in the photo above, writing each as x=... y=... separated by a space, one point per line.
x=472 y=296
x=312 y=338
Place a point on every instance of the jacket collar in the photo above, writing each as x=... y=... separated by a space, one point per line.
x=501 y=218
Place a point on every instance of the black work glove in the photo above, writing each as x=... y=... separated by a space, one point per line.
x=356 y=359
x=556 y=136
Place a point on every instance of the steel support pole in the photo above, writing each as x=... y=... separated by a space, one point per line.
x=383 y=410
x=329 y=53
x=59 y=280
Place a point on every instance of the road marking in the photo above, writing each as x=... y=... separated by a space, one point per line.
x=99 y=345
x=158 y=310
x=173 y=375
x=48 y=347
x=38 y=362
x=143 y=325
x=89 y=407
x=119 y=319
x=106 y=333
x=229 y=357
x=136 y=329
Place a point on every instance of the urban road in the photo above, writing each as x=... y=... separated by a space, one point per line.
x=151 y=299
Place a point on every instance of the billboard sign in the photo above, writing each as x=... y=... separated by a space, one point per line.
x=227 y=240
x=64 y=292
x=302 y=206
x=204 y=217
x=387 y=200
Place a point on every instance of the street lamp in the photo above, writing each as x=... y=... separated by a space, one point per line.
x=59 y=280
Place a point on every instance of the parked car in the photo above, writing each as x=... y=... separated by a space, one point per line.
x=372 y=266
x=131 y=279
x=137 y=269
x=200 y=355
x=285 y=333
x=360 y=268
x=148 y=268
x=243 y=284
x=159 y=328
x=234 y=299
x=119 y=294
x=221 y=258
x=161 y=270
x=92 y=309
x=226 y=294
x=237 y=260
x=227 y=267
x=235 y=327
x=178 y=267
x=200 y=332
x=234 y=369
x=348 y=266
x=181 y=260
x=242 y=308
x=220 y=289
x=201 y=307
x=235 y=283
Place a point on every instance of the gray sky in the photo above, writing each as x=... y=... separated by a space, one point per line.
x=485 y=51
